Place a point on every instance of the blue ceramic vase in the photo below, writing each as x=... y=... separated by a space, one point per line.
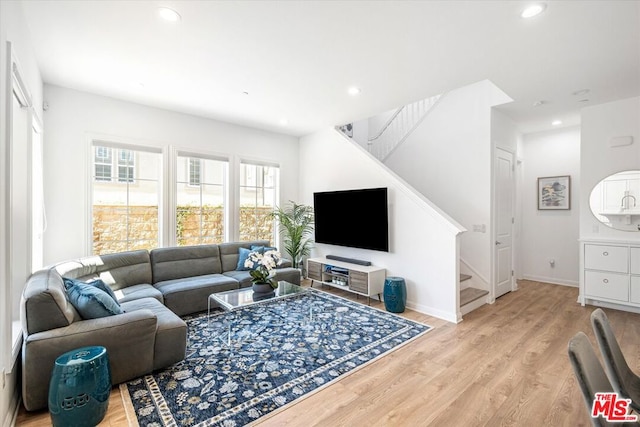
x=395 y=294
x=80 y=387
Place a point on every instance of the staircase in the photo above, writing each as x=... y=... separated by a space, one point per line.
x=470 y=297
x=399 y=127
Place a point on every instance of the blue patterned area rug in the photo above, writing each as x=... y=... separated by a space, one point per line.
x=243 y=365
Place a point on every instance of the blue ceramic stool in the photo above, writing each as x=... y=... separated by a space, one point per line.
x=395 y=294
x=80 y=387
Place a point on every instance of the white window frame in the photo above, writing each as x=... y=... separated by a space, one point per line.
x=116 y=143
x=177 y=153
x=194 y=170
x=115 y=162
x=259 y=184
x=103 y=160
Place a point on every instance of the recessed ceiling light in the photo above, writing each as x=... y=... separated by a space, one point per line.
x=284 y=122
x=168 y=14
x=581 y=92
x=245 y=92
x=354 y=91
x=556 y=122
x=533 y=10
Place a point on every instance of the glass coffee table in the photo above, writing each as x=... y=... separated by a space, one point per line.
x=244 y=297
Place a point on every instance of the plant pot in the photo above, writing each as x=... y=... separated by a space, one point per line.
x=262 y=288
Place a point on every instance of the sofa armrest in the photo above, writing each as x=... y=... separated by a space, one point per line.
x=284 y=263
x=129 y=339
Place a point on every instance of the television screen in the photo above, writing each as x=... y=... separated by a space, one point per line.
x=353 y=218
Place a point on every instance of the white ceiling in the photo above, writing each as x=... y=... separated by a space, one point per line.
x=296 y=59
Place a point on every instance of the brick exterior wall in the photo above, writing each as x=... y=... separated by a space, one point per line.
x=112 y=232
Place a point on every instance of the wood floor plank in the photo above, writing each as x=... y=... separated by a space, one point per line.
x=504 y=364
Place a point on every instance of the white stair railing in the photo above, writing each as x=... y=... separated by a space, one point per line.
x=399 y=127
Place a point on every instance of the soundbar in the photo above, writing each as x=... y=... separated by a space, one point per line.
x=349 y=260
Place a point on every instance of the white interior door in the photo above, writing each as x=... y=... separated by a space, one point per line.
x=504 y=215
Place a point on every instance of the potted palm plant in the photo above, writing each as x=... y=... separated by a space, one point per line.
x=296 y=228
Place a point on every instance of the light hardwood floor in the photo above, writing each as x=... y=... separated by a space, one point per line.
x=504 y=364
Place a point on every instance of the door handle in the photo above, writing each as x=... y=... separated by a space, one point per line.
x=498 y=243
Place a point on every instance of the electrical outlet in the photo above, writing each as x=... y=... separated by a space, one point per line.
x=480 y=228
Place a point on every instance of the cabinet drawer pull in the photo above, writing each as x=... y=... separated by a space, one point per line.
x=605 y=280
x=605 y=253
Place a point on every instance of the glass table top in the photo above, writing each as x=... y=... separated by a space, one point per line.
x=236 y=298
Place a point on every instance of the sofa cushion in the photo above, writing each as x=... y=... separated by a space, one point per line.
x=143 y=290
x=190 y=295
x=184 y=261
x=90 y=301
x=171 y=332
x=117 y=270
x=242 y=276
x=44 y=304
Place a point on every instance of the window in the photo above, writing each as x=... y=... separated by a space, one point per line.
x=258 y=196
x=104 y=168
x=201 y=192
x=125 y=166
x=194 y=171
x=102 y=164
x=125 y=207
x=38 y=220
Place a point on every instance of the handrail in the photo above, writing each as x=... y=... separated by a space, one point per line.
x=410 y=131
x=387 y=124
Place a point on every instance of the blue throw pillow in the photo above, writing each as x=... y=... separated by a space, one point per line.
x=90 y=301
x=262 y=249
x=98 y=283
x=243 y=254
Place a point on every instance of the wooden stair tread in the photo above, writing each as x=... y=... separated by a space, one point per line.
x=464 y=277
x=468 y=295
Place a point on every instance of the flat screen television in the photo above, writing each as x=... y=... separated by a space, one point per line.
x=353 y=218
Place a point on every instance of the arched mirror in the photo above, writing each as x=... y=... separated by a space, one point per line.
x=615 y=201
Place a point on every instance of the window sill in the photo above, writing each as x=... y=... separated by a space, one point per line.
x=16 y=344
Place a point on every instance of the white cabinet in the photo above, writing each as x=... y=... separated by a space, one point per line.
x=606 y=258
x=610 y=273
x=635 y=260
x=360 y=279
x=603 y=284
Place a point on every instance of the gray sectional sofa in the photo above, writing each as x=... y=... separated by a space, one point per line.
x=154 y=288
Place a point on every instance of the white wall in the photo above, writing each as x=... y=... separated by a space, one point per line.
x=423 y=246
x=551 y=234
x=504 y=132
x=600 y=123
x=448 y=159
x=74 y=116
x=13 y=28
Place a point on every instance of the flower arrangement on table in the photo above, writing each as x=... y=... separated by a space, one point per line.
x=262 y=267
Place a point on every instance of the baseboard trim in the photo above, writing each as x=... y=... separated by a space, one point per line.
x=430 y=311
x=12 y=413
x=552 y=280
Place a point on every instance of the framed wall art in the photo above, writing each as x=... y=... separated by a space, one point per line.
x=554 y=192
